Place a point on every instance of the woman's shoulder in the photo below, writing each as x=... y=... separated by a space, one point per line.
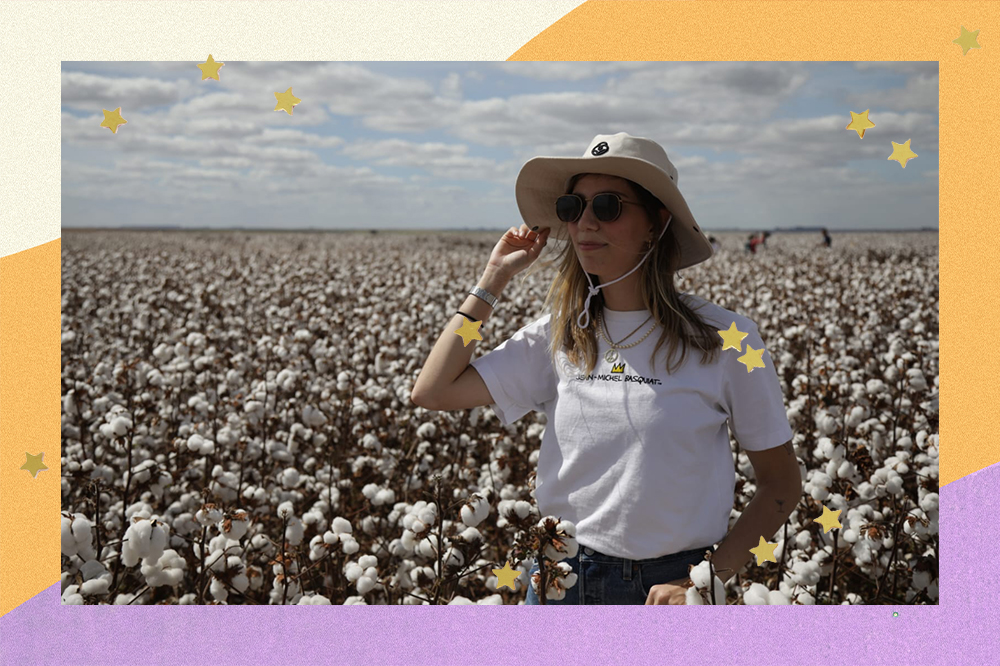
x=715 y=314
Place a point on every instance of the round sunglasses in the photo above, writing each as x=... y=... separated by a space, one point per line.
x=607 y=206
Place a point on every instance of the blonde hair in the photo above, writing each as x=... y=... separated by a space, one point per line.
x=681 y=326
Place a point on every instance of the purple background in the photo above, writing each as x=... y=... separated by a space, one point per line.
x=957 y=631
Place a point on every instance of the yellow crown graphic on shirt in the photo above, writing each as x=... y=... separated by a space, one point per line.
x=618 y=368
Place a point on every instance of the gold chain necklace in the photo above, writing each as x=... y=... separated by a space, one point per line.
x=612 y=355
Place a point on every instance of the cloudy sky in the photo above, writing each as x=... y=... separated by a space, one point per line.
x=438 y=145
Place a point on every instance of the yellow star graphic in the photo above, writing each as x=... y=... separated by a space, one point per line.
x=34 y=464
x=754 y=358
x=210 y=68
x=112 y=119
x=901 y=152
x=469 y=330
x=860 y=122
x=967 y=40
x=764 y=551
x=829 y=519
x=286 y=101
x=506 y=576
x=732 y=338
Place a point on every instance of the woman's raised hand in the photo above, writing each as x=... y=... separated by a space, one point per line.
x=517 y=249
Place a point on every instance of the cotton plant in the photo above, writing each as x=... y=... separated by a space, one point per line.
x=338 y=536
x=145 y=539
x=363 y=574
x=318 y=415
x=699 y=593
x=77 y=537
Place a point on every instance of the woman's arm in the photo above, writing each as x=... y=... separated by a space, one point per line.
x=779 y=489
x=437 y=386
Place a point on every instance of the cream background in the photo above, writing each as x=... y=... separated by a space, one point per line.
x=37 y=36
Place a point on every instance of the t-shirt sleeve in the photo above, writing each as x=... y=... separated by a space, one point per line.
x=754 y=399
x=519 y=372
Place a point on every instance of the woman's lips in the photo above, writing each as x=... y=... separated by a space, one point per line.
x=591 y=246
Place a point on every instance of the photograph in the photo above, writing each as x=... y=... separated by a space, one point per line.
x=499 y=333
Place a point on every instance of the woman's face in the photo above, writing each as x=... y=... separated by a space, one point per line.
x=620 y=243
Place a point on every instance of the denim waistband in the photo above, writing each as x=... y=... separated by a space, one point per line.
x=629 y=566
x=595 y=555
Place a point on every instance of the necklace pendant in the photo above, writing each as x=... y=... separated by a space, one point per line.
x=611 y=356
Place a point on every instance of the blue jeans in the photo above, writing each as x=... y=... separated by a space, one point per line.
x=605 y=579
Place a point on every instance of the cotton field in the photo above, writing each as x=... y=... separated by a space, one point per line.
x=237 y=429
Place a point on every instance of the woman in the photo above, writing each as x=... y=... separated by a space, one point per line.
x=636 y=453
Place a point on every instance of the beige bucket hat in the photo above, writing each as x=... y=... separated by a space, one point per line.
x=542 y=180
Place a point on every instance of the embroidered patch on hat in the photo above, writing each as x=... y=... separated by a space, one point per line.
x=600 y=148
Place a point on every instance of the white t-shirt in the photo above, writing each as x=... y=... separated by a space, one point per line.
x=639 y=460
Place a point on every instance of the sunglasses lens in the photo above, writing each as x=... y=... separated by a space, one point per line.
x=606 y=207
x=568 y=207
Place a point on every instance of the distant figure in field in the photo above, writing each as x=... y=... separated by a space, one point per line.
x=753 y=242
x=714 y=243
x=826 y=237
x=763 y=237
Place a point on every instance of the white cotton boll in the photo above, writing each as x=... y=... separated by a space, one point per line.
x=929 y=502
x=96 y=586
x=428 y=516
x=805 y=598
x=476 y=511
x=826 y=424
x=120 y=426
x=167 y=570
x=364 y=585
x=805 y=573
x=453 y=558
x=384 y=496
x=72 y=597
x=693 y=598
x=237 y=527
x=699 y=575
x=819 y=493
x=846 y=470
x=218 y=590
x=289 y=478
x=341 y=526
x=226 y=436
x=353 y=571
x=314 y=600
x=426 y=431
x=857 y=415
x=803 y=539
x=349 y=545
x=522 y=509
x=756 y=595
x=875 y=386
x=240 y=582
x=777 y=598
x=428 y=546
x=369 y=490
x=295 y=532
x=313 y=417
x=916 y=379
x=894 y=485
x=143 y=540
x=471 y=535
x=285 y=510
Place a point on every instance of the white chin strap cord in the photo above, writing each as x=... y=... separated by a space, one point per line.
x=593 y=290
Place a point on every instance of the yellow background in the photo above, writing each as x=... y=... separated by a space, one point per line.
x=30 y=291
